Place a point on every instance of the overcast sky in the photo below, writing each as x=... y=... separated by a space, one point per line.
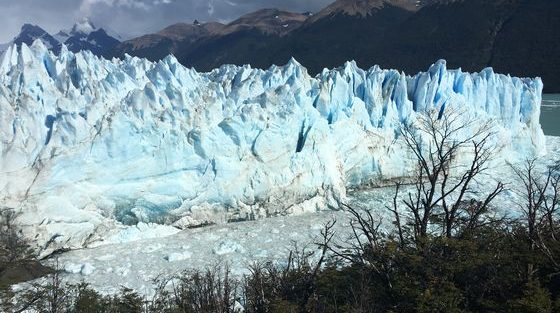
x=132 y=17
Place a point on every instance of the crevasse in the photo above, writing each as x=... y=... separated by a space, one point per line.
x=89 y=144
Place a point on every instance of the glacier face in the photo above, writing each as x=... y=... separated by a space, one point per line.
x=90 y=144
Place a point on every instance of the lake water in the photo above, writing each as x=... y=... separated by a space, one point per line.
x=550 y=114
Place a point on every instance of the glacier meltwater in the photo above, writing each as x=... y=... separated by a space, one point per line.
x=89 y=145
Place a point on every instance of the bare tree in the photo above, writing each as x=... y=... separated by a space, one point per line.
x=270 y=286
x=211 y=290
x=540 y=208
x=366 y=244
x=440 y=201
x=50 y=295
x=442 y=183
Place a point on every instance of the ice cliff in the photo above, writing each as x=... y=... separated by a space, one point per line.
x=89 y=144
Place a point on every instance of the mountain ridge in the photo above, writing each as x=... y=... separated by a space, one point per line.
x=82 y=36
x=361 y=8
x=30 y=33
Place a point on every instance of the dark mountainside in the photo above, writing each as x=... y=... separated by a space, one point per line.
x=168 y=41
x=519 y=37
x=98 y=42
x=187 y=40
x=83 y=36
x=536 y=49
x=30 y=33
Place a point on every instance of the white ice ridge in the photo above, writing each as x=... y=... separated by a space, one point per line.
x=88 y=143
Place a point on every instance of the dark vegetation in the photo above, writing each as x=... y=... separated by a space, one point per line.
x=448 y=250
x=17 y=260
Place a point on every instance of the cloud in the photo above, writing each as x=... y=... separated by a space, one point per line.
x=210 y=7
x=158 y=2
x=87 y=5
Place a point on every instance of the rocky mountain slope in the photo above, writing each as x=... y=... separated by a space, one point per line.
x=29 y=33
x=85 y=36
x=170 y=40
x=184 y=39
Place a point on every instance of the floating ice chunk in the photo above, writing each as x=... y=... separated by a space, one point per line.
x=87 y=269
x=141 y=231
x=84 y=269
x=178 y=256
x=228 y=247
x=73 y=268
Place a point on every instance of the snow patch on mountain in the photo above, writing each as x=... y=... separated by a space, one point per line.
x=84 y=26
x=91 y=145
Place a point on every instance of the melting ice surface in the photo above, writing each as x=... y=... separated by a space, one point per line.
x=88 y=144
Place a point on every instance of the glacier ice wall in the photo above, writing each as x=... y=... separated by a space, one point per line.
x=89 y=143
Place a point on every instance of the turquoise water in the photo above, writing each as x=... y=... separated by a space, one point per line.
x=550 y=114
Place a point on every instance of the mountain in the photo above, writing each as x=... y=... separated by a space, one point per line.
x=519 y=37
x=168 y=41
x=29 y=33
x=267 y=21
x=339 y=32
x=90 y=144
x=181 y=39
x=83 y=36
x=529 y=43
x=361 y=8
x=271 y=36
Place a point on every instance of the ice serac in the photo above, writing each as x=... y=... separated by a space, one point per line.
x=89 y=144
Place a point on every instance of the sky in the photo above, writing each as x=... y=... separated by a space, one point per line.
x=131 y=18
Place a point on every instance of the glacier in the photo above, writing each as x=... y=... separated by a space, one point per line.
x=91 y=145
